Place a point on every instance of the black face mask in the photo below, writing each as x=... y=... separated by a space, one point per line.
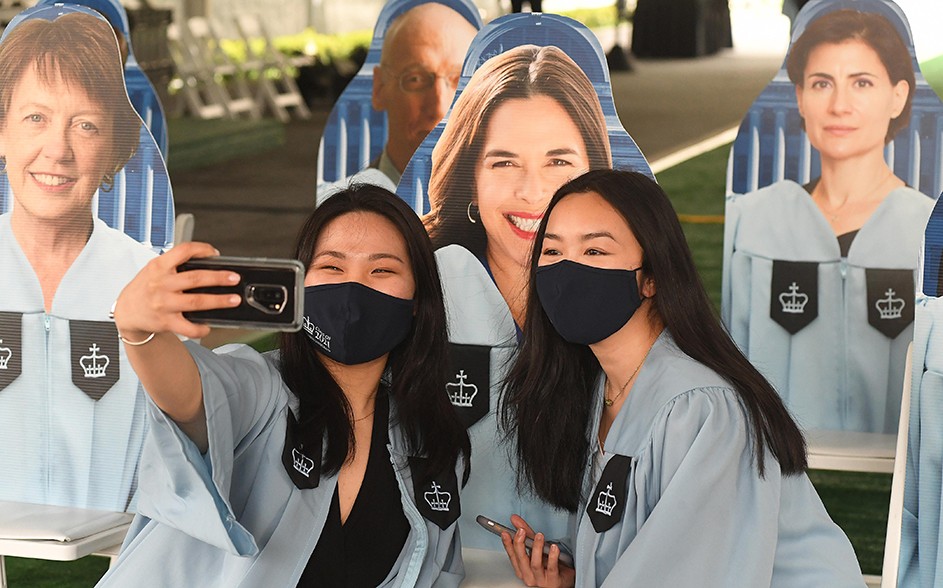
x=587 y=304
x=352 y=323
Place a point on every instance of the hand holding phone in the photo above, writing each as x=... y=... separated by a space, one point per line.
x=565 y=558
x=271 y=293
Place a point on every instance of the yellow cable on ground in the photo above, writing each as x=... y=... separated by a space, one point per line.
x=702 y=219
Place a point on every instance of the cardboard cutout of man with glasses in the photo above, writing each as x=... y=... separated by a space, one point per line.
x=420 y=64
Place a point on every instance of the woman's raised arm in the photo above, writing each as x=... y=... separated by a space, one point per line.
x=149 y=316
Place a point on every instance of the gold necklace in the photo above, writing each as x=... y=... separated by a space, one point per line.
x=609 y=401
x=833 y=215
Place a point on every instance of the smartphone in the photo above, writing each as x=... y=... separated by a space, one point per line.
x=272 y=292
x=566 y=556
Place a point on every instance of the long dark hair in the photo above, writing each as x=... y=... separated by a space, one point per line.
x=523 y=72
x=549 y=391
x=417 y=366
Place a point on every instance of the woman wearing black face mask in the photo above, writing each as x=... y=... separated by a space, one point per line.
x=336 y=462
x=679 y=460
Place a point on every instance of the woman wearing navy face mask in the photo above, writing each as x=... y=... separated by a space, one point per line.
x=336 y=462
x=678 y=459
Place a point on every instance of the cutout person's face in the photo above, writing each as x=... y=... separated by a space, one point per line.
x=432 y=43
x=58 y=145
x=531 y=148
x=847 y=100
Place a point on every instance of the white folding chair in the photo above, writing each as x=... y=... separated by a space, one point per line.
x=896 y=510
x=277 y=87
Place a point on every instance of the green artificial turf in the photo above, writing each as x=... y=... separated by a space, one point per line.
x=37 y=573
x=858 y=502
x=696 y=188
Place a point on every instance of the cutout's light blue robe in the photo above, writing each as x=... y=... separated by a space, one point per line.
x=233 y=517
x=696 y=511
x=838 y=372
x=478 y=315
x=60 y=446
x=920 y=555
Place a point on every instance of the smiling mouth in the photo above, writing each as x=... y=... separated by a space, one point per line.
x=51 y=181
x=526 y=226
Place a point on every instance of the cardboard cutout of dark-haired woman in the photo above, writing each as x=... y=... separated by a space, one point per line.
x=71 y=408
x=534 y=108
x=834 y=175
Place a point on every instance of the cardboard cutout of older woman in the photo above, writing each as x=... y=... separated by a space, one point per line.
x=71 y=409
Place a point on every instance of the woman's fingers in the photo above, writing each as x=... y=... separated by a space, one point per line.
x=155 y=300
x=509 y=549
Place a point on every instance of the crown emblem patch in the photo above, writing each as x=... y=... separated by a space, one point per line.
x=794 y=294
x=460 y=393
x=437 y=496
x=300 y=443
x=302 y=463
x=11 y=337
x=606 y=501
x=890 y=308
x=96 y=366
x=436 y=499
x=608 y=505
x=5 y=354
x=890 y=300
x=470 y=392
x=794 y=301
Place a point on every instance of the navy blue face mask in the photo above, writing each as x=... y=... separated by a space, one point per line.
x=352 y=323
x=587 y=304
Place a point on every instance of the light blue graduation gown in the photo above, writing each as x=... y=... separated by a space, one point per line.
x=60 y=446
x=695 y=511
x=233 y=517
x=920 y=555
x=478 y=315
x=838 y=372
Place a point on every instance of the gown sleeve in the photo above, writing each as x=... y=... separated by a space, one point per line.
x=190 y=491
x=704 y=517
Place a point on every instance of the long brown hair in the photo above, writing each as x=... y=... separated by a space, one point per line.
x=523 y=72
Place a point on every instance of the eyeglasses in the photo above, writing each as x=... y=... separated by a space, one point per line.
x=420 y=80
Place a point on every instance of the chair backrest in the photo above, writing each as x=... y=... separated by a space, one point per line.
x=140 y=202
x=355 y=133
x=509 y=32
x=771 y=144
x=896 y=510
x=140 y=90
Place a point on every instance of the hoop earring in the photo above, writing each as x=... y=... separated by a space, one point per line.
x=107 y=183
x=3 y=165
x=469 y=213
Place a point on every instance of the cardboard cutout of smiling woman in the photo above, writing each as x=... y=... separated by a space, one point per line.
x=819 y=265
x=71 y=408
x=533 y=110
x=921 y=524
